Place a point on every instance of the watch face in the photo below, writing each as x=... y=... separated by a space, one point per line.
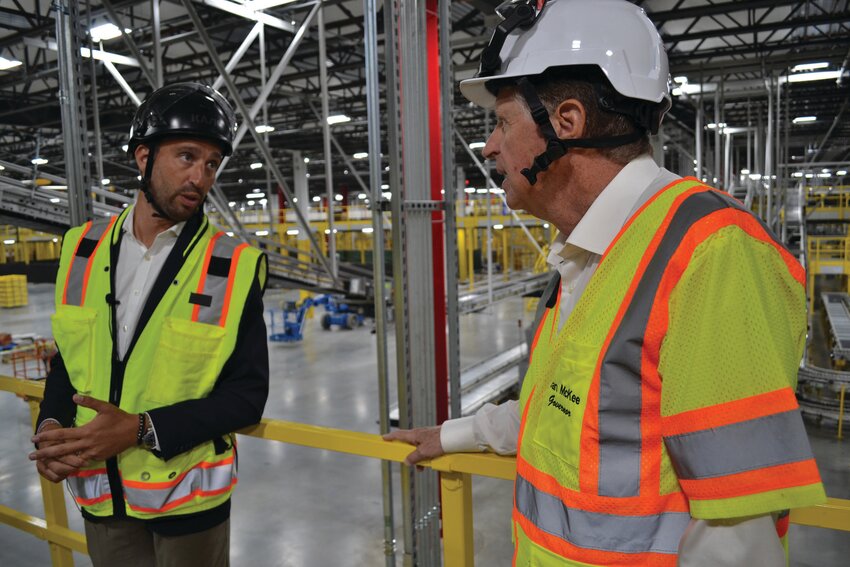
x=149 y=440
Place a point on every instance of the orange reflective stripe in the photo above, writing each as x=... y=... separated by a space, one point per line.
x=623 y=506
x=592 y=556
x=175 y=503
x=88 y=472
x=231 y=277
x=516 y=540
x=522 y=421
x=759 y=481
x=86 y=229
x=93 y=501
x=168 y=484
x=92 y=257
x=203 y=279
x=547 y=313
x=718 y=415
x=589 y=461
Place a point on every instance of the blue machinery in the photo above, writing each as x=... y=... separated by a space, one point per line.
x=293 y=318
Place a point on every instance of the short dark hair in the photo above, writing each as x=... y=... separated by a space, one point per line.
x=588 y=84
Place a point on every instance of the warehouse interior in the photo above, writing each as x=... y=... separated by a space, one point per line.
x=358 y=170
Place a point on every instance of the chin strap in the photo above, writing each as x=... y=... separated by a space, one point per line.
x=556 y=147
x=146 y=180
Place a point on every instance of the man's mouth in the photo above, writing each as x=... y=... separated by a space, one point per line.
x=190 y=198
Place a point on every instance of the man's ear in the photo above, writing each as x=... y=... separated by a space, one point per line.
x=570 y=119
x=141 y=154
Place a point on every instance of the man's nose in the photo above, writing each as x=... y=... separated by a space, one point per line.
x=491 y=147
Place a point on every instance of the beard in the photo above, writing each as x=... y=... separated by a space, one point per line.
x=178 y=204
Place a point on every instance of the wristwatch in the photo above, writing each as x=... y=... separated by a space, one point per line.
x=148 y=437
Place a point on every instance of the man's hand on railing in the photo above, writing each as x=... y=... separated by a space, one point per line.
x=112 y=431
x=426 y=440
x=56 y=470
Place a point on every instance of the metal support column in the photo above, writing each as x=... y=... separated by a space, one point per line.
x=373 y=115
x=326 y=136
x=158 y=71
x=95 y=111
x=417 y=404
x=449 y=183
x=73 y=108
x=767 y=215
x=400 y=297
x=718 y=141
x=698 y=135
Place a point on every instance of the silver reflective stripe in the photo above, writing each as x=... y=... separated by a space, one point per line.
x=620 y=400
x=215 y=286
x=201 y=480
x=658 y=533
x=79 y=264
x=750 y=445
x=89 y=488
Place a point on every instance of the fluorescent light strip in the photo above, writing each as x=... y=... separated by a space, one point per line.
x=816 y=76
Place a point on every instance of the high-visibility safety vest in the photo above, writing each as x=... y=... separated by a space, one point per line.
x=177 y=356
x=669 y=392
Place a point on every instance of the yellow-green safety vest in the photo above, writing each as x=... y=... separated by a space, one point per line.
x=609 y=470
x=178 y=356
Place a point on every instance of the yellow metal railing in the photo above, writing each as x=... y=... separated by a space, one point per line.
x=456 y=472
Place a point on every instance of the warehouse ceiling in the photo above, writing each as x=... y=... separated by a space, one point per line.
x=736 y=49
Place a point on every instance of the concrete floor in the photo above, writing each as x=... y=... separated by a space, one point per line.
x=301 y=507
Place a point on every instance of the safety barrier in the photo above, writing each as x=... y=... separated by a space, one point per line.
x=456 y=472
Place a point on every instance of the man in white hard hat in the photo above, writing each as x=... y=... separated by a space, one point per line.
x=657 y=423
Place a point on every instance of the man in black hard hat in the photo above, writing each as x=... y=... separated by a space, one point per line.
x=162 y=351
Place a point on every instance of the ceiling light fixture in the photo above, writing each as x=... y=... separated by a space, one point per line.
x=809 y=67
x=263 y=128
x=256 y=165
x=816 y=76
x=6 y=64
x=105 y=32
x=338 y=119
x=804 y=119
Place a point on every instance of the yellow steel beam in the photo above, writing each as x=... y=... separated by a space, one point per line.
x=36 y=526
x=834 y=515
x=458 y=543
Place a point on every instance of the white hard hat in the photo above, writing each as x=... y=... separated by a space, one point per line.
x=614 y=35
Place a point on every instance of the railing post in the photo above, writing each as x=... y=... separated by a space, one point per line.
x=841 y=411
x=458 y=545
x=55 y=513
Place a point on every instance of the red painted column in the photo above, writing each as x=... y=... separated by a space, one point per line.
x=437 y=232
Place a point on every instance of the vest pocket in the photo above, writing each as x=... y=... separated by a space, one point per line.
x=74 y=330
x=561 y=403
x=186 y=362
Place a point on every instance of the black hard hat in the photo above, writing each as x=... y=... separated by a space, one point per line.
x=189 y=110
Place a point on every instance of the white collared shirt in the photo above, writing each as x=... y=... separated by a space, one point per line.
x=135 y=274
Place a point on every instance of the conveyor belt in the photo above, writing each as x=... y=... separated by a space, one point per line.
x=835 y=304
x=486 y=381
x=819 y=393
x=518 y=285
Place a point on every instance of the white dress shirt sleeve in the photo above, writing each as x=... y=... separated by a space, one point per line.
x=493 y=428
x=731 y=543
